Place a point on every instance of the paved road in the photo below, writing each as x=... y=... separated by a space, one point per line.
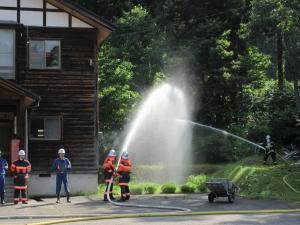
x=273 y=219
x=263 y=219
x=93 y=205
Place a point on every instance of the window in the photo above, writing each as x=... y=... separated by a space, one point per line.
x=44 y=54
x=7 y=54
x=45 y=128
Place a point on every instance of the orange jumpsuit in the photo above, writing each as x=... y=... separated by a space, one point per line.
x=20 y=169
x=124 y=170
x=109 y=168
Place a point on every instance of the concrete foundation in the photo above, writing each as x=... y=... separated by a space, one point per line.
x=44 y=184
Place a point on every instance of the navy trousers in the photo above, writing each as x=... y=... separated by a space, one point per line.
x=2 y=187
x=62 y=178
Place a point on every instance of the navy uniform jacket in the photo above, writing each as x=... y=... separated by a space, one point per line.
x=3 y=167
x=61 y=165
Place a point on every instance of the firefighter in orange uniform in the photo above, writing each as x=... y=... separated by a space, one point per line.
x=124 y=170
x=109 y=170
x=20 y=169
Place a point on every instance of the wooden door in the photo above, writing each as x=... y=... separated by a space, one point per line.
x=6 y=134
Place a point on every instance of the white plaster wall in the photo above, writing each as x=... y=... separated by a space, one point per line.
x=58 y=19
x=45 y=186
x=78 y=23
x=8 y=15
x=32 y=18
x=32 y=3
x=8 y=3
x=49 y=6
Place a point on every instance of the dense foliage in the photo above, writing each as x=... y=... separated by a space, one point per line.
x=240 y=58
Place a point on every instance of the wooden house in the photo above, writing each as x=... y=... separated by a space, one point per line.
x=48 y=88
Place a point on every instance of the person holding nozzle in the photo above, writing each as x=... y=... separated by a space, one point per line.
x=109 y=171
x=124 y=170
x=61 y=166
x=270 y=150
x=3 y=171
x=20 y=170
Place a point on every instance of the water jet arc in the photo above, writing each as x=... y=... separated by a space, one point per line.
x=223 y=132
x=228 y=133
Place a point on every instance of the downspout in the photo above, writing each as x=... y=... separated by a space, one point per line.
x=26 y=132
x=35 y=105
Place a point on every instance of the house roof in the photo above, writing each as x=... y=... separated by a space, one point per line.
x=103 y=26
x=30 y=97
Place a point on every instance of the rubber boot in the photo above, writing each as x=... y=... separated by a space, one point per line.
x=112 y=197
x=58 y=199
x=105 y=198
x=68 y=198
x=2 y=199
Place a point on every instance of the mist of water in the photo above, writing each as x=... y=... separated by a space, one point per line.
x=156 y=138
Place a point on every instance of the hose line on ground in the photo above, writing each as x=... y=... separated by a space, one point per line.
x=141 y=206
x=145 y=215
x=289 y=185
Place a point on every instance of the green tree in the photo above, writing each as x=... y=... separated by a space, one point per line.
x=275 y=18
x=130 y=61
x=116 y=98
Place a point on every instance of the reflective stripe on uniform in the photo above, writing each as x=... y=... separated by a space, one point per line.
x=20 y=187
x=123 y=184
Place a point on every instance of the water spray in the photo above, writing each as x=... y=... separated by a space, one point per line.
x=159 y=105
x=223 y=132
x=228 y=133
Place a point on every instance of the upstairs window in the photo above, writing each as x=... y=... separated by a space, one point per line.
x=45 y=128
x=7 y=54
x=45 y=54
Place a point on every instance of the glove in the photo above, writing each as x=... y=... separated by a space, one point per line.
x=115 y=174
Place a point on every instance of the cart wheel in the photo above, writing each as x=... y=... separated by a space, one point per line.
x=231 y=198
x=211 y=197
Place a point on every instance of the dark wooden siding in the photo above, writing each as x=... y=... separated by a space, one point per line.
x=69 y=93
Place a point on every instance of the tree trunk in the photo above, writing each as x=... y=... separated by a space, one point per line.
x=279 y=60
x=296 y=89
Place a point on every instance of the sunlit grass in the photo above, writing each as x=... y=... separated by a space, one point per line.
x=255 y=180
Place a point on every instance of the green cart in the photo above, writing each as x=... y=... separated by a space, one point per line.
x=220 y=187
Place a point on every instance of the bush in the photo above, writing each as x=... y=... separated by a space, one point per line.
x=168 y=188
x=150 y=188
x=199 y=181
x=136 y=189
x=188 y=188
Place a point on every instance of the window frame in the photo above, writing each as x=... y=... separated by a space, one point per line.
x=60 y=119
x=13 y=77
x=45 y=56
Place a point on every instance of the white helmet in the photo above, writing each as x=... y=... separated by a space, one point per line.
x=61 y=151
x=268 y=136
x=124 y=155
x=21 y=153
x=112 y=152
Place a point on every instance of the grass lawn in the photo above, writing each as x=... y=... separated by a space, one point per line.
x=261 y=181
x=254 y=179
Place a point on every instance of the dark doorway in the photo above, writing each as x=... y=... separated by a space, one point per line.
x=6 y=134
